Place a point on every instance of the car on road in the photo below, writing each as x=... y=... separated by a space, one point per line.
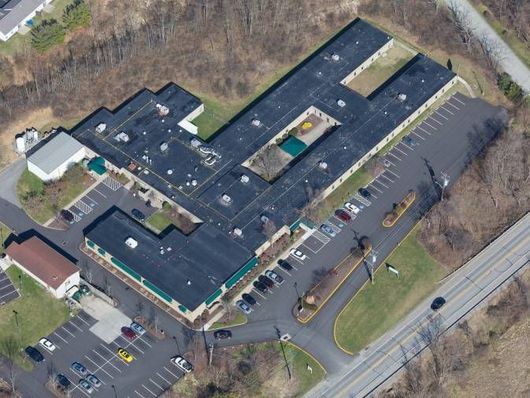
x=260 y=286
x=274 y=276
x=249 y=299
x=266 y=281
x=244 y=307
x=128 y=332
x=34 y=354
x=222 y=334
x=93 y=379
x=67 y=216
x=352 y=208
x=342 y=215
x=285 y=265
x=182 y=364
x=47 y=344
x=325 y=228
x=63 y=381
x=410 y=141
x=138 y=215
x=138 y=329
x=86 y=386
x=437 y=303
x=125 y=355
x=79 y=369
x=365 y=193
x=297 y=254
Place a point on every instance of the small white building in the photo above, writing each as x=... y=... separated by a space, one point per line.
x=49 y=268
x=15 y=13
x=55 y=157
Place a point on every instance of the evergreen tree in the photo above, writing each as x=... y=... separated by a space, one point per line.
x=77 y=15
x=47 y=34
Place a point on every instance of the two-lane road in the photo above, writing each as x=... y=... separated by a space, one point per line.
x=464 y=290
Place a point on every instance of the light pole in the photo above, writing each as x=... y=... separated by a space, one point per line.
x=16 y=318
x=445 y=182
x=278 y=333
x=300 y=306
x=372 y=265
x=177 y=343
x=115 y=393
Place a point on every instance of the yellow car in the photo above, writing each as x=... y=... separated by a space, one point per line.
x=124 y=354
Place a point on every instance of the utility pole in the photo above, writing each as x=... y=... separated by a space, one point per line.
x=278 y=333
x=210 y=346
x=115 y=393
x=372 y=266
x=444 y=177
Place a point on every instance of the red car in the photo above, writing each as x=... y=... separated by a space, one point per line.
x=128 y=332
x=343 y=215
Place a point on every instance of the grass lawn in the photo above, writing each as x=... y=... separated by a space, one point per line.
x=4 y=233
x=382 y=69
x=376 y=309
x=298 y=360
x=43 y=201
x=39 y=313
x=238 y=319
x=158 y=221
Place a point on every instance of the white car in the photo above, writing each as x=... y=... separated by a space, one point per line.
x=47 y=344
x=137 y=328
x=184 y=365
x=298 y=254
x=352 y=208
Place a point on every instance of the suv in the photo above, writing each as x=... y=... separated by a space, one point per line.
x=285 y=265
x=222 y=334
x=266 y=281
x=260 y=286
x=249 y=299
x=63 y=381
x=244 y=307
x=34 y=354
x=67 y=216
x=138 y=215
x=365 y=193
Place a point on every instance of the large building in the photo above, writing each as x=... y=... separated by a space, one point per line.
x=14 y=14
x=219 y=183
x=44 y=264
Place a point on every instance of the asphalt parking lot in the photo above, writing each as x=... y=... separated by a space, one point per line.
x=8 y=291
x=100 y=195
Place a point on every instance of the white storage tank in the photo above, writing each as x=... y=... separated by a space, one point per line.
x=20 y=144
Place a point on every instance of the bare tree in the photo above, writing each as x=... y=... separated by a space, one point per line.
x=461 y=20
x=268 y=161
x=10 y=348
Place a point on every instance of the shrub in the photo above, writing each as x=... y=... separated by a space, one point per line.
x=77 y=15
x=510 y=89
x=47 y=34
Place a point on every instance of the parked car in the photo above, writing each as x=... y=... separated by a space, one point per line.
x=274 y=276
x=266 y=281
x=249 y=299
x=47 y=344
x=79 y=369
x=260 y=286
x=285 y=265
x=437 y=303
x=222 y=334
x=124 y=354
x=365 y=193
x=93 y=379
x=34 y=354
x=63 y=381
x=128 y=332
x=352 y=208
x=410 y=141
x=182 y=364
x=67 y=216
x=138 y=215
x=343 y=215
x=86 y=386
x=244 y=307
x=138 y=329
x=325 y=228
x=298 y=254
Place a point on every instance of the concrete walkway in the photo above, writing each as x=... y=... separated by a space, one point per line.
x=509 y=61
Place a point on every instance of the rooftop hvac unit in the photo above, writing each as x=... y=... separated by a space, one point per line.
x=169 y=172
x=264 y=219
x=226 y=198
x=244 y=179
x=193 y=183
x=162 y=109
x=341 y=103
x=101 y=128
x=335 y=57
x=164 y=146
x=122 y=137
x=256 y=122
x=237 y=232
x=402 y=97
x=131 y=242
x=323 y=165
x=195 y=143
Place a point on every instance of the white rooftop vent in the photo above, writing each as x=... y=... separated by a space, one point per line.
x=341 y=103
x=402 y=97
x=193 y=183
x=244 y=179
x=226 y=198
x=256 y=122
x=237 y=232
x=122 y=137
x=195 y=143
x=164 y=146
x=101 y=128
x=169 y=172
x=131 y=242
x=335 y=57
x=162 y=109
x=188 y=282
x=323 y=165
x=264 y=218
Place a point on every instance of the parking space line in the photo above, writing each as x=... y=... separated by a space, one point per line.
x=170 y=372
x=425 y=131
x=379 y=182
x=439 y=114
x=136 y=348
x=447 y=110
x=283 y=270
x=375 y=197
x=152 y=393
x=390 y=153
x=320 y=237
x=454 y=97
x=163 y=378
x=391 y=172
x=383 y=175
x=85 y=322
x=58 y=335
x=95 y=189
x=152 y=381
x=70 y=333
x=417 y=135
x=144 y=341
x=259 y=294
x=374 y=187
x=92 y=200
x=139 y=394
x=436 y=120
x=400 y=150
x=73 y=323
x=80 y=389
x=432 y=127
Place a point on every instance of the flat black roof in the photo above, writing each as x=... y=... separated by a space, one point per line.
x=180 y=172
x=187 y=268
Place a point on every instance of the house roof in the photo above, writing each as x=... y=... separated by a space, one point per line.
x=14 y=12
x=55 y=152
x=42 y=261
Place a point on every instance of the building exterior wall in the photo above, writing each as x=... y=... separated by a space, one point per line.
x=8 y=35
x=59 y=171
